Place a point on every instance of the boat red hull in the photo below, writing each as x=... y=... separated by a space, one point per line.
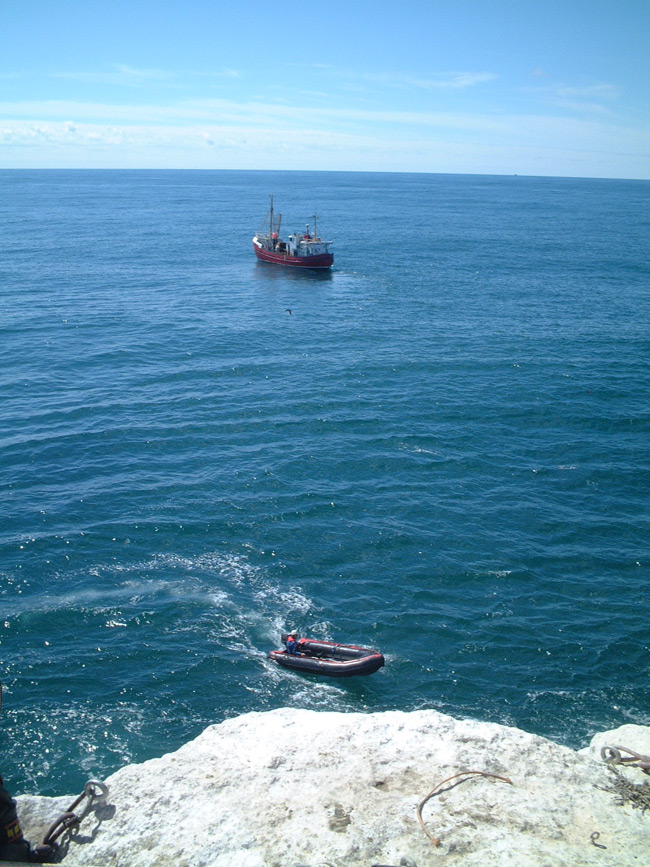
x=325 y=260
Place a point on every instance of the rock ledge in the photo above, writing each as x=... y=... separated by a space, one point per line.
x=296 y=787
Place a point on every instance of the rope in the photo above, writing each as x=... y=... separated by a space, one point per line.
x=436 y=791
x=612 y=756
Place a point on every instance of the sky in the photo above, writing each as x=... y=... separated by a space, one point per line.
x=555 y=88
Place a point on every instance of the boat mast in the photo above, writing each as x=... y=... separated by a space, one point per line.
x=271 y=219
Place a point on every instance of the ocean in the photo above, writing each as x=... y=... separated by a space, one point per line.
x=441 y=448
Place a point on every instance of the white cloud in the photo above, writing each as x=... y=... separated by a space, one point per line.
x=577 y=107
x=591 y=92
x=445 y=81
x=254 y=113
x=579 y=100
x=220 y=133
x=266 y=141
x=124 y=75
x=117 y=74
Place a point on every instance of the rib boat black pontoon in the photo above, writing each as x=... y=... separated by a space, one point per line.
x=327 y=658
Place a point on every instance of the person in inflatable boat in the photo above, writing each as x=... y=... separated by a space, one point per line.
x=292 y=645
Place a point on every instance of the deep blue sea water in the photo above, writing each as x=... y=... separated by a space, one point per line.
x=442 y=451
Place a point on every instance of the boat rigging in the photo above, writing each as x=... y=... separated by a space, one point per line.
x=301 y=250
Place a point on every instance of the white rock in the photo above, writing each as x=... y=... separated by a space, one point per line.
x=630 y=737
x=297 y=787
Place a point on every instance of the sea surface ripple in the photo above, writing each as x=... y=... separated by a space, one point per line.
x=441 y=448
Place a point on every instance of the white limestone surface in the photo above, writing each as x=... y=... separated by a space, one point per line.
x=296 y=787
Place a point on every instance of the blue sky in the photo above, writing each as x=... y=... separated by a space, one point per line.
x=492 y=87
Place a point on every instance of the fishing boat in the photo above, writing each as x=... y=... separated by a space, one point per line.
x=301 y=249
x=326 y=657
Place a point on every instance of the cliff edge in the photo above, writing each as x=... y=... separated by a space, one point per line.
x=296 y=787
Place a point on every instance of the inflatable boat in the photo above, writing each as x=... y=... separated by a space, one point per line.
x=326 y=657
